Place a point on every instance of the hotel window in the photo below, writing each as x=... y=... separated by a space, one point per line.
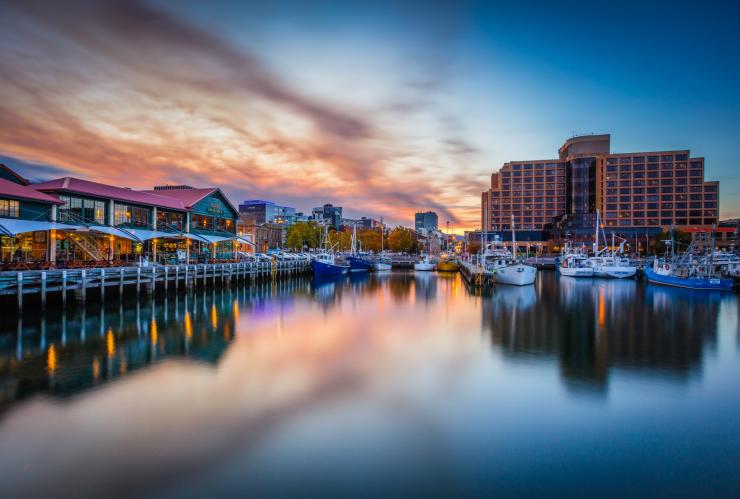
x=639 y=168
x=696 y=164
x=624 y=199
x=666 y=181
x=710 y=196
x=625 y=190
x=639 y=214
x=638 y=175
x=611 y=169
x=681 y=213
x=623 y=161
x=680 y=166
x=666 y=214
x=611 y=161
x=695 y=204
x=652 y=166
x=9 y=208
x=711 y=204
x=611 y=207
x=666 y=157
x=638 y=206
x=710 y=188
x=680 y=206
x=695 y=173
x=652 y=221
x=652 y=174
x=695 y=213
x=624 y=176
x=681 y=157
x=666 y=197
x=652 y=159
x=681 y=173
x=625 y=207
x=638 y=221
x=695 y=221
x=611 y=199
x=667 y=221
x=638 y=159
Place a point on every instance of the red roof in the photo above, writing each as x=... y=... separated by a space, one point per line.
x=18 y=191
x=86 y=187
x=188 y=197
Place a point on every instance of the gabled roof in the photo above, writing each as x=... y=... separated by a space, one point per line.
x=11 y=173
x=190 y=197
x=18 y=191
x=86 y=187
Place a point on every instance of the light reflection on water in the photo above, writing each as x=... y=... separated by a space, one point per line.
x=376 y=385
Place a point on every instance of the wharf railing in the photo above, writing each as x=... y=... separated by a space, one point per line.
x=144 y=279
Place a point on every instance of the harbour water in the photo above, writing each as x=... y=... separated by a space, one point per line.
x=397 y=384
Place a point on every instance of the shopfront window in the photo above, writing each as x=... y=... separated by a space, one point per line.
x=167 y=220
x=9 y=208
x=121 y=214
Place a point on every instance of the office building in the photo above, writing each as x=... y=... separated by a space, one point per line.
x=425 y=221
x=328 y=214
x=257 y=211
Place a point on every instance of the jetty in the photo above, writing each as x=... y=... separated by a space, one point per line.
x=80 y=282
x=476 y=275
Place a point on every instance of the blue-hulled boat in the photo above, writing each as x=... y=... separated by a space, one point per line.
x=325 y=265
x=359 y=264
x=664 y=273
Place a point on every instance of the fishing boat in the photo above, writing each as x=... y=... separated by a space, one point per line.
x=504 y=264
x=426 y=264
x=357 y=261
x=686 y=271
x=607 y=263
x=324 y=263
x=572 y=263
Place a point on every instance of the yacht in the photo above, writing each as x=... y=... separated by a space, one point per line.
x=504 y=264
x=609 y=264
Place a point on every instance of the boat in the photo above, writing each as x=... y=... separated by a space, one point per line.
x=609 y=264
x=686 y=271
x=382 y=264
x=447 y=264
x=504 y=264
x=426 y=264
x=572 y=263
x=324 y=263
x=358 y=262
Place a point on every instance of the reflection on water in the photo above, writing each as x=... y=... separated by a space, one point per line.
x=375 y=384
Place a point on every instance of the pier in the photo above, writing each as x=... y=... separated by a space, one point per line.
x=42 y=283
x=476 y=276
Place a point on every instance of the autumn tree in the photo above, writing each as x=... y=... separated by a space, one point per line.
x=402 y=239
x=302 y=235
x=370 y=239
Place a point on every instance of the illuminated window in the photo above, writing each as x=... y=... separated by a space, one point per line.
x=9 y=208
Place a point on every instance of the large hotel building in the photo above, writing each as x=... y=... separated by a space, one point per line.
x=637 y=193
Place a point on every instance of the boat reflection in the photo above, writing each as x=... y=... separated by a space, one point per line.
x=592 y=326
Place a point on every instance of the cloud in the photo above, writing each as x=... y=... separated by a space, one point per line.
x=107 y=89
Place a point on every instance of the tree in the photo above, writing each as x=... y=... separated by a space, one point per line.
x=370 y=239
x=402 y=239
x=302 y=235
x=340 y=241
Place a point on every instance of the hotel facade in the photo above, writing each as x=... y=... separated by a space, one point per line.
x=637 y=194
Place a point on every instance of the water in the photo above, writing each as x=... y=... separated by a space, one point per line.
x=379 y=385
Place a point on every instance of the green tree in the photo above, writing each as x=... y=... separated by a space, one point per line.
x=303 y=234
x=402 y=239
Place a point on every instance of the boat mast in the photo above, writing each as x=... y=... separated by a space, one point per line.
x=513 y=239
x=596 y=235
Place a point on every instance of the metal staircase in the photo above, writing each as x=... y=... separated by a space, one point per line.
x=88 y=244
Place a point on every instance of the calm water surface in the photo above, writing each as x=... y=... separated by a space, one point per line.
x=388 y=385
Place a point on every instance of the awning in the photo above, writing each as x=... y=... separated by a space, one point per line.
x=194 y=237
x=113 y=231
x=14 y=226
x=217 y=239
x=145 y=235
x=244 y=240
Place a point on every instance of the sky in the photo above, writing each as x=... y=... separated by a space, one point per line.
x=382 y=108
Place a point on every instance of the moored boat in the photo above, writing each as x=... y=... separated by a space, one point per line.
x=424 y=265
x=662 y=273
x=572 y=264
x=324 y=264
x=446 y=264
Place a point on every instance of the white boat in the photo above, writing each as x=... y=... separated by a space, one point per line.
x=382 y=264
x=572 y=263
x=424 y=265
x=606 y=263
x=504 y=264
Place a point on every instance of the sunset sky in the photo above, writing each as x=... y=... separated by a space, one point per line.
x=383 y=108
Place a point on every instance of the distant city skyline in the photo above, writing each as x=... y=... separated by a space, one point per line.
x=386 y=109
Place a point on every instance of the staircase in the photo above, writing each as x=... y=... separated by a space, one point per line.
x=88 y=244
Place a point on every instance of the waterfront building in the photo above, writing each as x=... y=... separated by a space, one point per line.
x=425 y=221
x=360 y=223
x=328 y=214
x=72 y=220
x=259 y=212
x=25 y=219
x=265 y=236
x=638 y=194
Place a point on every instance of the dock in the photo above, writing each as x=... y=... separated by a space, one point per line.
x=476 y=276
x=79 y=282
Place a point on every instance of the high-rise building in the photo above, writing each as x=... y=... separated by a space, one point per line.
x=425 y=221
x=328 y=214
x=635 y=192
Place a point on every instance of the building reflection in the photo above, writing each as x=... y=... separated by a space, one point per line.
x=594 y=326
